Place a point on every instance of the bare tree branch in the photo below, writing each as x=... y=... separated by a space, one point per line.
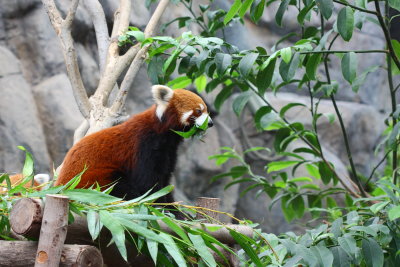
x=155 y=18
x=71 y=14
x=96 y=12
x=128 y=80
x=62 y=29
x=139 y=58
x=125 y=12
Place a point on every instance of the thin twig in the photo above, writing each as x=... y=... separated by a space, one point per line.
x=315 y=149
x=342 y=126
x=355 y=7
x=387 y=34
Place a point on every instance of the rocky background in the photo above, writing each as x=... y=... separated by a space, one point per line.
x=37 y=108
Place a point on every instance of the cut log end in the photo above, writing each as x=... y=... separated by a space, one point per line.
x=26 y=217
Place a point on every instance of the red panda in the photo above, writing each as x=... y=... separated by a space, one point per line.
x=15 y=179
x=140 y=153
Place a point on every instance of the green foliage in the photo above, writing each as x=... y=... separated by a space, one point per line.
x=361 y=233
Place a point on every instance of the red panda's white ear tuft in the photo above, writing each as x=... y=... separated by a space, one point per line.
x=162 y=95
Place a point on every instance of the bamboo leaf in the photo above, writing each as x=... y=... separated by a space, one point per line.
x=201 y=248
x=117 y=231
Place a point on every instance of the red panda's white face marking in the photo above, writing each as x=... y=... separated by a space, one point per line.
x=188 y=108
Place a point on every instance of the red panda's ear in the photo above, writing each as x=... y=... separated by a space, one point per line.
x=162 y=95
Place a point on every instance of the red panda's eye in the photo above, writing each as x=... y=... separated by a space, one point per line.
x=199 y=112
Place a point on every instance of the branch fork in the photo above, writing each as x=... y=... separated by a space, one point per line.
x=100 y=111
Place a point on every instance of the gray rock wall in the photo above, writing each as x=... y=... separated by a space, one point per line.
x=37 y=109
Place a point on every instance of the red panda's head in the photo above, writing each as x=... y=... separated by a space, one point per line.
x=179 y=108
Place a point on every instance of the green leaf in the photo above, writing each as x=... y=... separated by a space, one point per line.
x=116 y=230
x=308 y=257
x=287 y=71
x=300 y=179
x=180 y=82
x=201 y=248
x=345 y=23
x=360 y=79
x=298 y=206
x=325 y=172
x=348 y=244
x=139 y=36
x=245 y=6
x=281 y=10
x=27 y=171
x=240 y=102
x=90 y=196
x=323 y=255
x=313 y=170
x=394 y=213
x=173 y=250
x=200 y=83
x=305 y=13
x=152 y=246
x=257 y=11
x=394 y=4
x=260 y=113
x=326 y=7
x=279 y=165
x=94 y=224
x=375 y=208
x=173 y=226
x=372 y=252
x=340 y=257
x=264 y=77
x=289 y=106
x=140 y=230
x=246 y=64
x=349 y=66
x=222 y=96
x=232 y=12
x=166 y=190
x=244 y=244
x=312 y=65
x=286 y=54
x=223 y=61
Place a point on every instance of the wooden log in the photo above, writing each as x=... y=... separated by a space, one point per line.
x=26 y=217
x=209 y=204
x=53 y=231
x=22 y=253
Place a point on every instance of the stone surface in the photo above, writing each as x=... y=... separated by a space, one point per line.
x=19 y=120
x=59 y=113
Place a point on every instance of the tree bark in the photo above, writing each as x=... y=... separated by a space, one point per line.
x=210 y=204
x=26 y=217
x=53 y=231
x=71 y=255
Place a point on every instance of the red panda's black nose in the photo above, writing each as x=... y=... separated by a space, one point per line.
x=210 y=123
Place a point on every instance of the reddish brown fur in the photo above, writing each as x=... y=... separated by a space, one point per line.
x=103 y=153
